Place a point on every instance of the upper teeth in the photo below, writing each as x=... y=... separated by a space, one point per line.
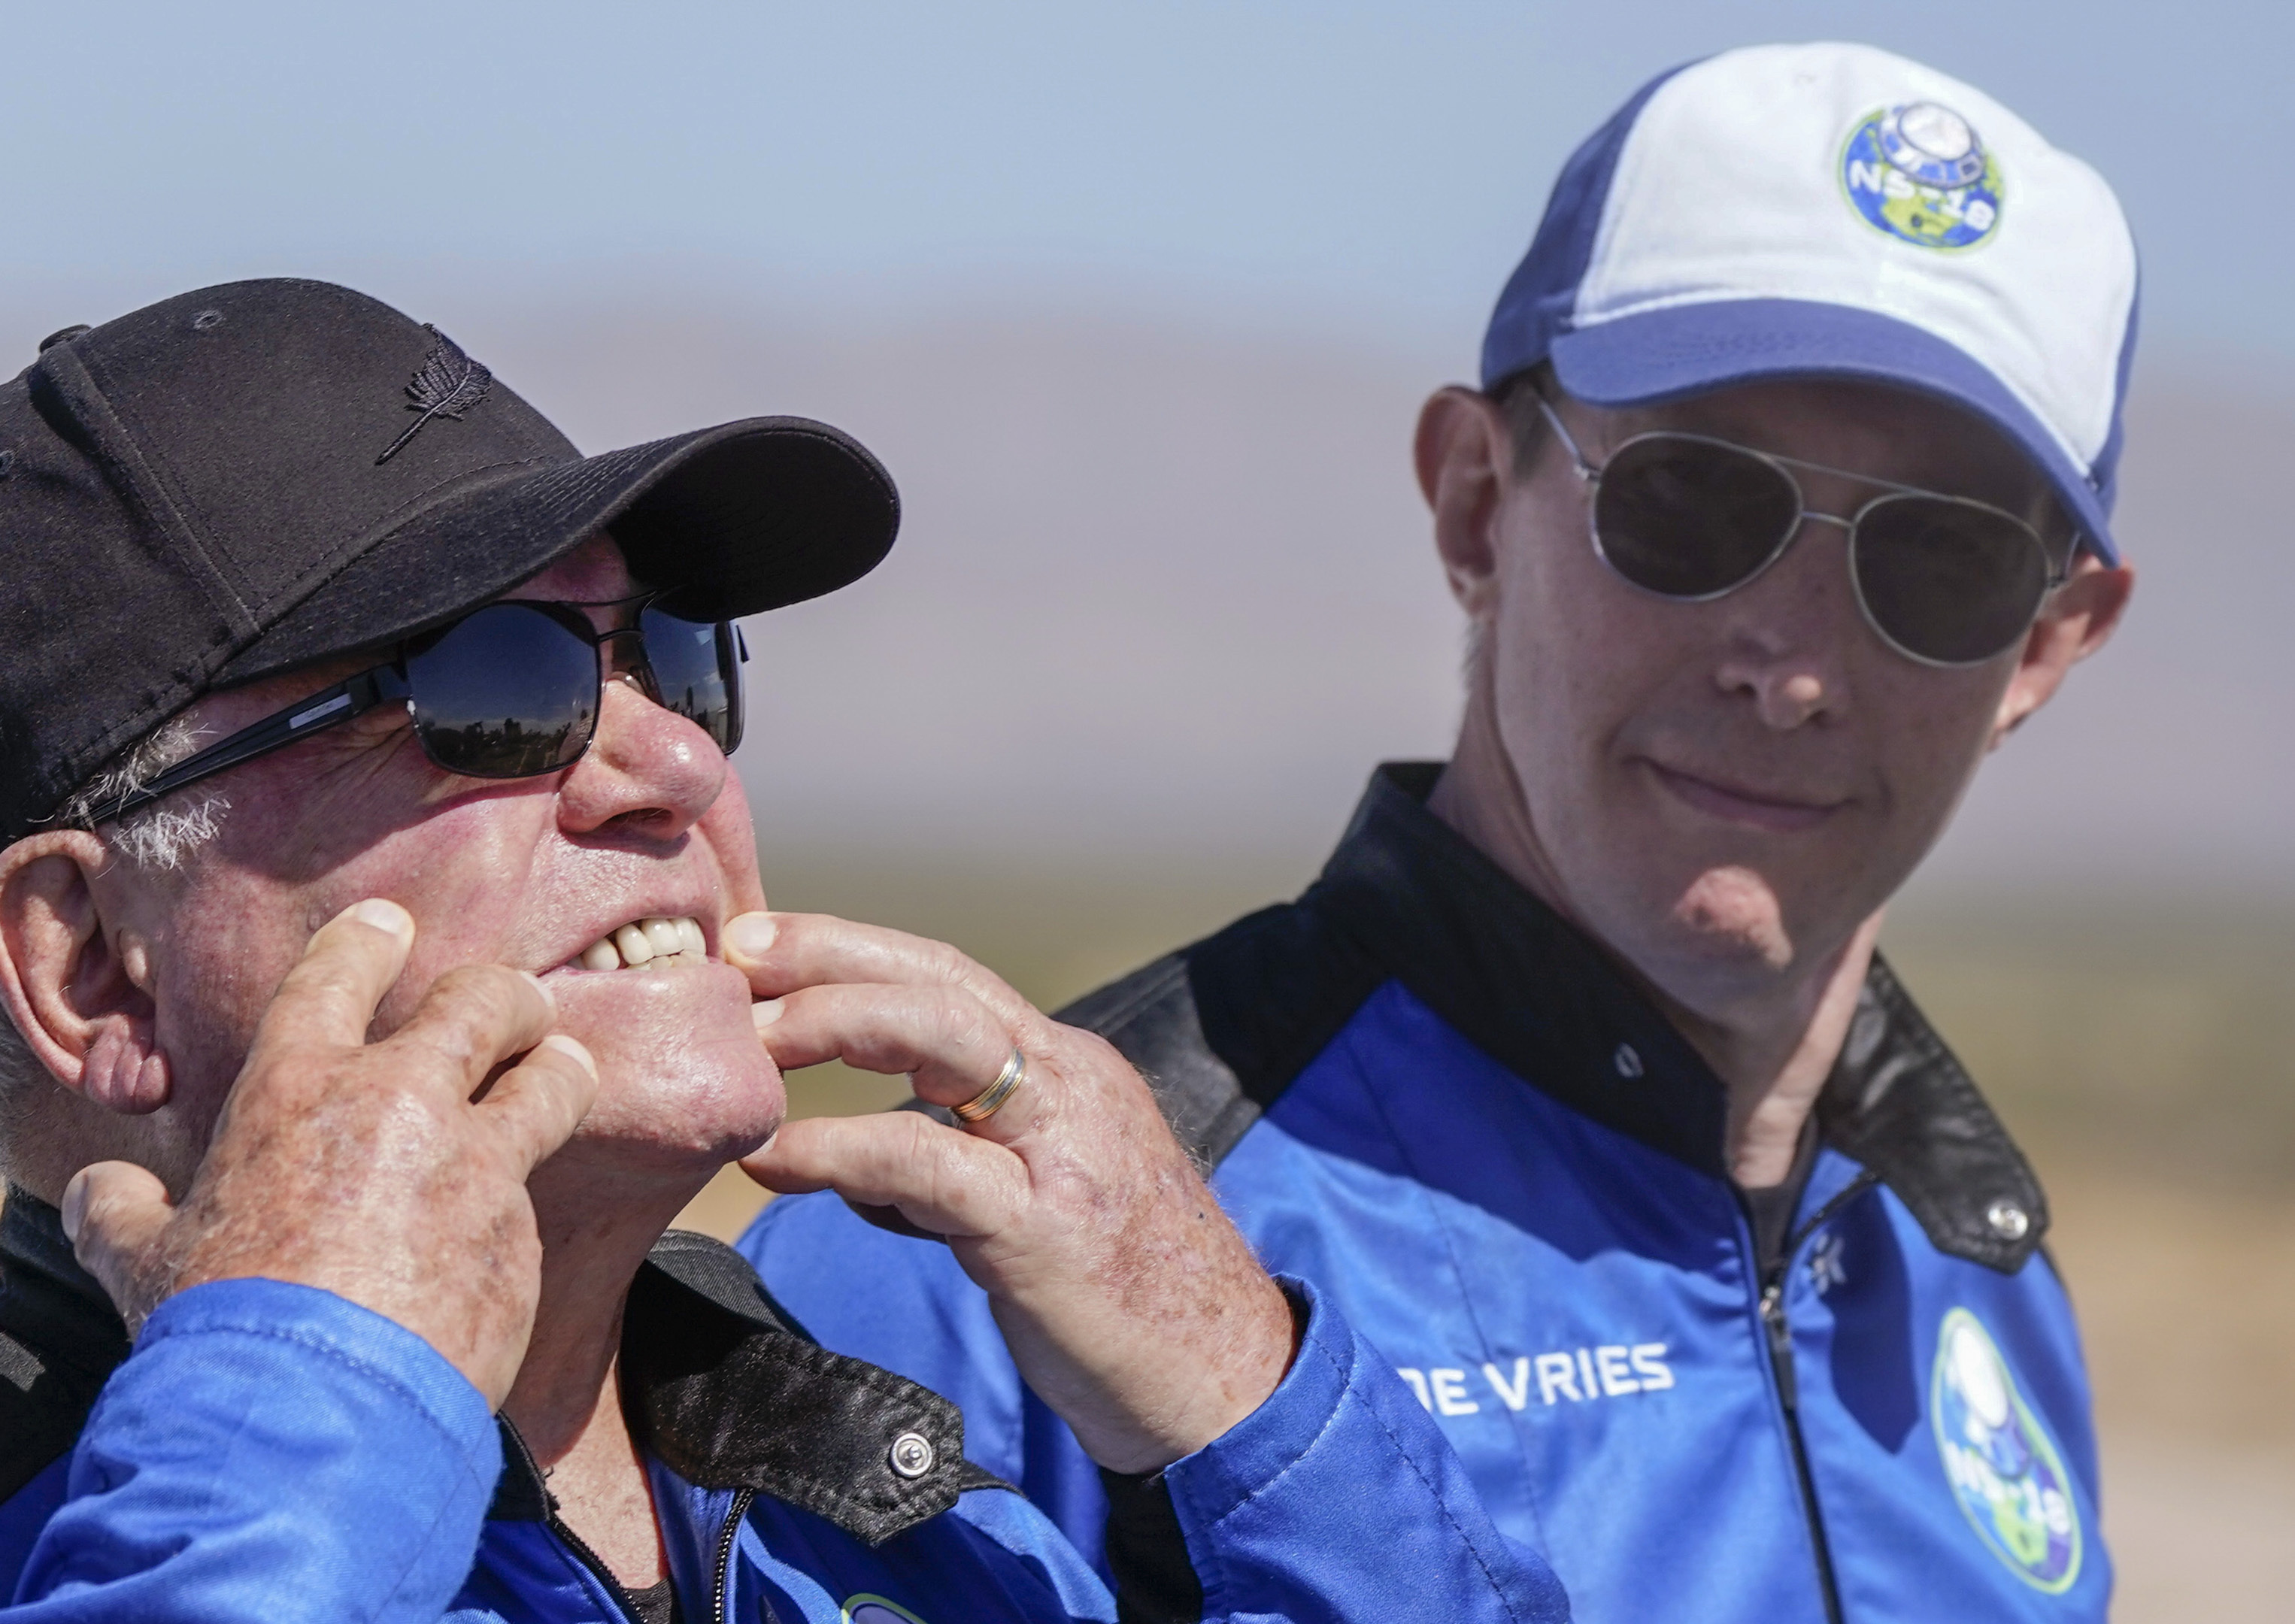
x=654 y=940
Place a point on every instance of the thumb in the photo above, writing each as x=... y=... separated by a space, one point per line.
x=745 y=941
x=117 y=1214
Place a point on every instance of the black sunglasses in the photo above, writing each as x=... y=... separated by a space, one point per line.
x=509 y=691
x=1944 y=580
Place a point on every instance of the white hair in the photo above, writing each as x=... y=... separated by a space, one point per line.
x=160 y=836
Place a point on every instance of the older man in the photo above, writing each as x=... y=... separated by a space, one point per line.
x=304 y=608
x=1577 y=1077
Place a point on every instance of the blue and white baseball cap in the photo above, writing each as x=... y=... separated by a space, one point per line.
x=1834 y=211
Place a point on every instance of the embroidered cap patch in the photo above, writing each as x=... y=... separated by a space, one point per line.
x=447 y=384
x=1920 y=174
x=1998 y=1458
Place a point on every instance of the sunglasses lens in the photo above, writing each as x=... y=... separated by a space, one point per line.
x=1690 y=518
x=1947 y=582
x=505 y=693
x=694 y=672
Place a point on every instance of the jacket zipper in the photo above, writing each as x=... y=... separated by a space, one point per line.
x=718 y=1584
x=589 y=1558
x=1781 y=1366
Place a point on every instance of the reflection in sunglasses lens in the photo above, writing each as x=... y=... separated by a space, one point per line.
x=694 y=673
x=507 y=692
x=1690 y=518
x=1946 y=581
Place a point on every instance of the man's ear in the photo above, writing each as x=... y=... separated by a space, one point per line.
x=2077 y=619
x=79 y=996
x=1463 y=452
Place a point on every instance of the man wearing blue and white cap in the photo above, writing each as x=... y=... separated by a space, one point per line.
x=1576 y=1079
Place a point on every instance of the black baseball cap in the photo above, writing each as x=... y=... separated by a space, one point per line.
x=244 y=479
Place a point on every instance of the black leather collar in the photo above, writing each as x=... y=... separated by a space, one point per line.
x=730 y=1393
x=721 y=1384
x=1222 y=1027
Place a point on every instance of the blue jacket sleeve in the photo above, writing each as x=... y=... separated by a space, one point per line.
x=268 y=1452
x=1338 y=1499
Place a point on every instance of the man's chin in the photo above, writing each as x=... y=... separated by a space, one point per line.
x=1731 y=918
x=682 y=1081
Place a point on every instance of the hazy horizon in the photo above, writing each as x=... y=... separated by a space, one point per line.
x=1164 y=593
x=1164 y=589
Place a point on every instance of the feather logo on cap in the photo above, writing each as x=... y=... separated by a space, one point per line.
x=447 y=384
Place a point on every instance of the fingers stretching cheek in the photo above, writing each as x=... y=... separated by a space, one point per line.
x=475 y=1017
x=940 y=1179
x=782 y=953
x=536 y=1105
x=943 y=1034
x=813 y=950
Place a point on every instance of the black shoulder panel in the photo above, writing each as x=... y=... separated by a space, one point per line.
x=57 y=1345
x=41 y=1413
x=1221 y=1028
x=1150 y=1017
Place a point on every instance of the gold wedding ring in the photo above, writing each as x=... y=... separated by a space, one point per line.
x=991 y=1099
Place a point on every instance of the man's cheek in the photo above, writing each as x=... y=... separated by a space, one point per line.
x=733 y=838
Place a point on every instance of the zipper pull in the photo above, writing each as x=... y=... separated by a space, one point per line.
x=1781 y=1360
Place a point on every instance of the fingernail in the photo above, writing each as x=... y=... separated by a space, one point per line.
x=384 y=915
x=75 y=1206
x=542 y=987
x=572 y=1049
x=751 y=935
x=764 y=1013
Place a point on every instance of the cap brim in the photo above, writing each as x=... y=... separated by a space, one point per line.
x=740 y=518
x=1656 y=356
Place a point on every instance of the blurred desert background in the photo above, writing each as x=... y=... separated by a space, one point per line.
x=1138 y=305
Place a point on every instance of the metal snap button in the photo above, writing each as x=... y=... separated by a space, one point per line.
x=911 y=1455
x=1628 y=1061
x=2009 y=1221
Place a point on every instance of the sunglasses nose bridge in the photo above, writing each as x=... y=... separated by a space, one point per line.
x=622 y=655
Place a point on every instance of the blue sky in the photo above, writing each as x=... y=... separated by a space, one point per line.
x=1369 y=168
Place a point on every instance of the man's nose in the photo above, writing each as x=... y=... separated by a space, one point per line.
x=649 y=771
x=1785 y=635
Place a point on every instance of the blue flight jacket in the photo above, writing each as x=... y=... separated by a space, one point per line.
x=1428 y=1095
x=273 y=1452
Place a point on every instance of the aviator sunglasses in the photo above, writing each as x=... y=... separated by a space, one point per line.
x=1944 y=580
x=509 y=691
